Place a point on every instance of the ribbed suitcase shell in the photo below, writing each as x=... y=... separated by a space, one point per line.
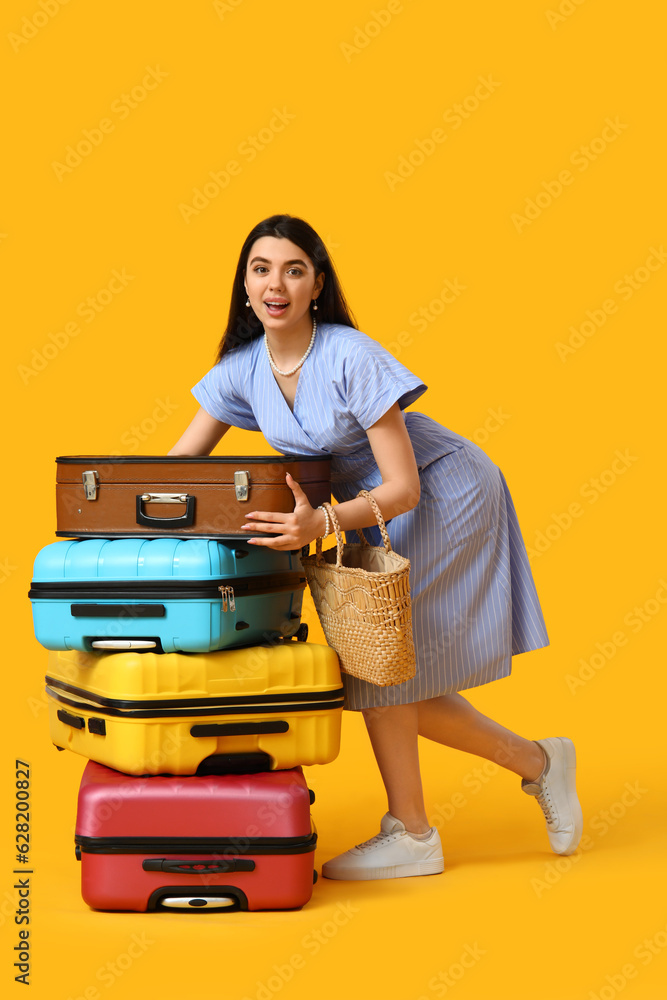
x=143 y=840
x=167 y=590
x=151 y=713
x=113 y=505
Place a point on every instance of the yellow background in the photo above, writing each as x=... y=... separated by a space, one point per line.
x=364 y=87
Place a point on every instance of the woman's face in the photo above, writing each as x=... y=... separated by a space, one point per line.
x=280 y=281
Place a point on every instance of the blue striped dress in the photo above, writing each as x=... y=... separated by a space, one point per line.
x=474 y=599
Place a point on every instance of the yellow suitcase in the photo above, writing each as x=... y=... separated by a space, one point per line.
x=259 y=708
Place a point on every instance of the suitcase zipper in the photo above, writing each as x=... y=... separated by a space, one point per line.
x=227 y=594
x=275 y=704
x=163 y=590
x=224 y=846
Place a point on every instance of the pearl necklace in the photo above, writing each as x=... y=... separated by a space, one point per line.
x=297 y=366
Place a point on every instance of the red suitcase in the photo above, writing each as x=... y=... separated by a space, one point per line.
x=236 y=841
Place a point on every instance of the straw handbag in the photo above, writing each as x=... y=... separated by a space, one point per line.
x=362 y=596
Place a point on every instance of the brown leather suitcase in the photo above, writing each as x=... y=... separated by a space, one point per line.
x=152 y=495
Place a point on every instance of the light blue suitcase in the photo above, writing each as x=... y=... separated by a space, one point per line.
x=166 y=594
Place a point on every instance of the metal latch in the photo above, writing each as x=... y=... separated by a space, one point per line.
x=90 y=481
x=227 y=595
x=242 y=485
x=164 y=497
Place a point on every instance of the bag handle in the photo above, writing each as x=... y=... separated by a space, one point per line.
x=378 y=517
x=339 y=535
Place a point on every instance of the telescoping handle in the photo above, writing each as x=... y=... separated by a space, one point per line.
x=339 y=535
x=184 y=521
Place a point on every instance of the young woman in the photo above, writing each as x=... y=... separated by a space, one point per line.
x=292 y=365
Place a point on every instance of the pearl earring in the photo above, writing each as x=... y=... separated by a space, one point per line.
x=247 y=302
x=314 y=303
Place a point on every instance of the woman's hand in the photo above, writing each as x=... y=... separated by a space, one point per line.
x=293 y=530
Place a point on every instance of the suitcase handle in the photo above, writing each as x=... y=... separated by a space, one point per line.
x=239 y=728
x=184 y=521
x=235 y=763
x=75 y=721
x=118 y=610
x=201 y=867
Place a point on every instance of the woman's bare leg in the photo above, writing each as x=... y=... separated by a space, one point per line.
x=454 y=722
x=393 y=734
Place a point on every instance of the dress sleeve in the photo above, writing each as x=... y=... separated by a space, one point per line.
x=220 y=393
x=374 y=380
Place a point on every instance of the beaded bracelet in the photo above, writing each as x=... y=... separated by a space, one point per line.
x=327 y=524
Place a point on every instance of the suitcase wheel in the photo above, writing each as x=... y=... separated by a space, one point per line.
x=184 y=897
x=196 y=902
x=57 y=747
x=314 y=877
x=302 y=632
x=311 y=795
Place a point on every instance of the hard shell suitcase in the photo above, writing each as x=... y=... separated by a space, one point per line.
x=239 y=842
x=170 y=594
x=146 y=495
x=255 y=709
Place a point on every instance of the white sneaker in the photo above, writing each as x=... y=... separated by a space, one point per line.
x=392 y=853
x=556 y=792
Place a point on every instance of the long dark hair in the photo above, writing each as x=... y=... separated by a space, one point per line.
x=243 y=325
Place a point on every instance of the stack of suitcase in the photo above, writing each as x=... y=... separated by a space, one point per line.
x=178 y=666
